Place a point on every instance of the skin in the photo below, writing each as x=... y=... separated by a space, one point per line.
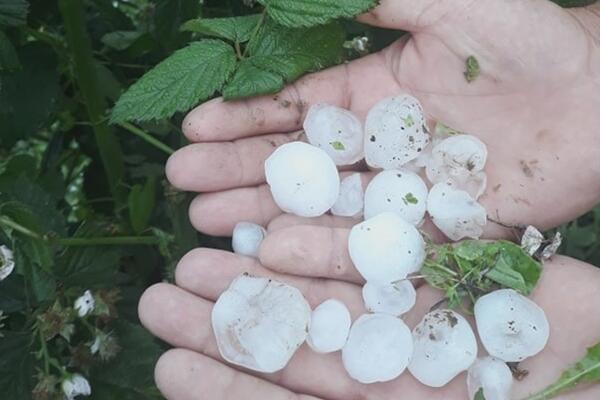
x=534 y=105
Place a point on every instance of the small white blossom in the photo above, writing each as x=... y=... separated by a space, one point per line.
x=85 y=304
x=532 y=240
x=96 y=345
x=75 y=386
x=7 y=263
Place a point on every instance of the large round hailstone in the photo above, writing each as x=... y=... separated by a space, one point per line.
x=259 y=323
x=392 y=298
x=351 y=198
x=329 y=326
x=399 y=191
x=303 y=179
x=335 y=130
x=461 y=159
x=378 y=349
x=395 y=132
x=493 y=376
x=246 y=238
x=445 y=346
x=511 y=326
x=386 y=248
x=455 y=212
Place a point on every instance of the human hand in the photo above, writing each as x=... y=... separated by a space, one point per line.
x=534 y=105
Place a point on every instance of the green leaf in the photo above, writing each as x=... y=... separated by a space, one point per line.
x=120 y=40
x=8 y=55
x=16 y=366
x=250 y=80
x=141 y=204
x=13 y=12
x=410 y=199
x=298 y=13
x=574 y=3
x=479 y=395
x=189 y=76
x=337 y=145
x=472 y=69
x=586 y=370
x=511 y=257
x=12 y=294
x=236 y=29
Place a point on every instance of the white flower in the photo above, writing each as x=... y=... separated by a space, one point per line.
x=85 y=304
x=75 y=386
x=7 y=263
x=96 y=345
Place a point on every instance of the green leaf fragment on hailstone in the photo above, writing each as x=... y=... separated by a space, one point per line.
x=337 y=145
x=410 y=198
x=479 y=395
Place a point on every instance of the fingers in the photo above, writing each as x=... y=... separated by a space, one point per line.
x=331 y=221
x=198 y=274
x=185 y=375
x=207 y=167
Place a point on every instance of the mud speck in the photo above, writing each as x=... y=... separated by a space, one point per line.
x=526 y=168
x=497 y=187
x=452 y=320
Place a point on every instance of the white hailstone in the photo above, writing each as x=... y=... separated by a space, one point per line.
x=445 y=346
x=247 y=238
x=7 y=262
x=532 y=240
x=392 y=298
x=378 y=349
x=440 y=132
x=493 y=376
x=461 y=159
x=335 y=130
x=329 y=326
x=85 y=304
x=399 y=191
x=303 y=179
x=75 y=386
x=395 y=132
x=386 y=248
x=455 y=212
x=511 y=326
x=351 y=198
x=259 y=323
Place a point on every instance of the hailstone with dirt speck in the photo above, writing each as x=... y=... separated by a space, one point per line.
x=392 y=298
x=303 y=179
x=444 y=346
x=337 y=131
x=493 y=376
x=461 y=159
x=386 y=248
x=395 y=132
x=329 y=326
x=351 y=198
x=378 y=349
x=246 y=238
x=511 y=326
x=399 y=191
x=259 y=323
x=455 y=212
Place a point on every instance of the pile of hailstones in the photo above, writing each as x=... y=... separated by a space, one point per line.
x=259 y=323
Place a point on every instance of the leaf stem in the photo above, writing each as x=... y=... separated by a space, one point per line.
x=255 y=31
x=555 y=389
x=146 y=137
x=238 y=51
x=45 y=354
x=19 y=228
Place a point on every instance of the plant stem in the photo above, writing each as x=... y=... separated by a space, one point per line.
x=146 y=137
x=19 y=228
x=45 y=354
x=238 y=51
x=256 y=29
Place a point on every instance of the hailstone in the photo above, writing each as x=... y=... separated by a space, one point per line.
x=378 y=349
x=445 y=346
x=461 y=159
x=511 y=326
x=395 y=132
x=329 y=326
x=303 y=179
x=259 y=323
x=337 y=131
x=455 y=212
x=392 y=298
x=399 y=191
x=351 y=198
x=386 y=248
x=247 y=238
x=492 y=376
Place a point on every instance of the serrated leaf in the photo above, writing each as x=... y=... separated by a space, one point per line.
x=510 y=260
x=120 y=40
x=8 y=55
x=16 y=366
x=250 y=80
x=13 y=12
x=236 y=29
x=574 y=3
x=586 y=370
x=141 y=204
x=187 y=77
x=304 y=13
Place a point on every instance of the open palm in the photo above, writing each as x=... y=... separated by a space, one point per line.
x=533 y=105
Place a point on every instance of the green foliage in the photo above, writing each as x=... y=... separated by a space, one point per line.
x=298 y=13
x=574 y=3
x=13 y=12
x=586 y=370
x=471 y=268
x=236 y=29
x=16 y=366
x=479 y=395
